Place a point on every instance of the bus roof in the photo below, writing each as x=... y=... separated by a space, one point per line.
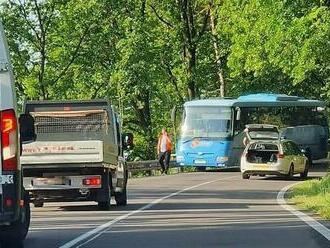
x=258 y=100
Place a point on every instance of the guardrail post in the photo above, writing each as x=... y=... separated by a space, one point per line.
x=150 y=167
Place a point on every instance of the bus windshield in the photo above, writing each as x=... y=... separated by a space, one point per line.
x=206 y=122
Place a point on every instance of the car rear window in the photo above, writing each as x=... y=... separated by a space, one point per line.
x=264 y=147
x=263 y=135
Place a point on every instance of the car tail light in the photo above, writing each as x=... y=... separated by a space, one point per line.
x=9 y=140
x=280 y=155
x=92 y=181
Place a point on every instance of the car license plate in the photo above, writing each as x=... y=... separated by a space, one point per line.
x=260 y=167
x=49 y=181
x=200 y=161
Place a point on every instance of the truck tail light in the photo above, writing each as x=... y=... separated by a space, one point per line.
x=9 y=140
x=8 y=202
x=92 y=181
x=280 y=155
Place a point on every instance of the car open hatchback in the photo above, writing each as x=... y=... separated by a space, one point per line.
x=267 y=154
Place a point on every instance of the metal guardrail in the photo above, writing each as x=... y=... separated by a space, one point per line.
x=151 y=165
x=147 y=165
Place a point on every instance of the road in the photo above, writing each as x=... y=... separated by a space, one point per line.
x=211 y=209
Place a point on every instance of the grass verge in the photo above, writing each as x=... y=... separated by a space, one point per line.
x=313 y=195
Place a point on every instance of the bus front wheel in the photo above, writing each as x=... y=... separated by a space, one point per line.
x=201 y=168
x=245 y=176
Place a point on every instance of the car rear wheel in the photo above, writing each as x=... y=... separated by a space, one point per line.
x=305 y=173
x=245 y=176
x=291 y=172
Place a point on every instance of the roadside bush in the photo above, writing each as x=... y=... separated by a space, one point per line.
x=313 y=195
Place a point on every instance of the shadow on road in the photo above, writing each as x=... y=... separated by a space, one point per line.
x=8 y=244
x=283 y=178
x=196 y=199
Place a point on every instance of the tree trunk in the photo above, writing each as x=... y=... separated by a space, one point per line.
x=189 y=46
x=42 y=51
x=222 y=83
x=191 y=57
x=143 y=112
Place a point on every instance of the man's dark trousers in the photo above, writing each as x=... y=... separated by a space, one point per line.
x=164 y=156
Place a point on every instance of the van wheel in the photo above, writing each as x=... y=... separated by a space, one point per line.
x=245 y=176
x=291 y=172
x=305 y=173
x=14 y=234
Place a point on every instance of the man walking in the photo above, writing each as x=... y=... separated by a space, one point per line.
x=164 y=148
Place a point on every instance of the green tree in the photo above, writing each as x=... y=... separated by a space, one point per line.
x=278 y=46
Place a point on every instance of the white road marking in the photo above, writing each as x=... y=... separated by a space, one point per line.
x=93 y=234
x=317 y=226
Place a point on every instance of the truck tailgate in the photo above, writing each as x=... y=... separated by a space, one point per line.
x=49 y=152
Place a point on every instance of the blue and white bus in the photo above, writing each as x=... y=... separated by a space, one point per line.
x=211 y=133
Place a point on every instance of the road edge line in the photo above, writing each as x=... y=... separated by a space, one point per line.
x=96 y=232
x=310 y=221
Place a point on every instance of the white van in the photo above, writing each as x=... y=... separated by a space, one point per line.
x=14 y=202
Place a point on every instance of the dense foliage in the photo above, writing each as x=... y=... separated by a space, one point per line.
x=147 y=56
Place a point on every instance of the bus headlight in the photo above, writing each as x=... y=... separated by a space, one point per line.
x=179 y=159
x=222 y=160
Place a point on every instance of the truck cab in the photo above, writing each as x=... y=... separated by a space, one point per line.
x=14 y=202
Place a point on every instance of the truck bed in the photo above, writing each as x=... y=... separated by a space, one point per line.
x=61 y=152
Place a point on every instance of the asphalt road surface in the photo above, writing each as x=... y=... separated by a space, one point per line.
x=211 y=209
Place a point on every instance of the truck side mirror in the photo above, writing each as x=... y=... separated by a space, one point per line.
x=128 y=141
x=27 y=130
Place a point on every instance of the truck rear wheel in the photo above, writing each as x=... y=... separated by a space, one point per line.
x=121 y=198
x=104 y=205
x=14 y=234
